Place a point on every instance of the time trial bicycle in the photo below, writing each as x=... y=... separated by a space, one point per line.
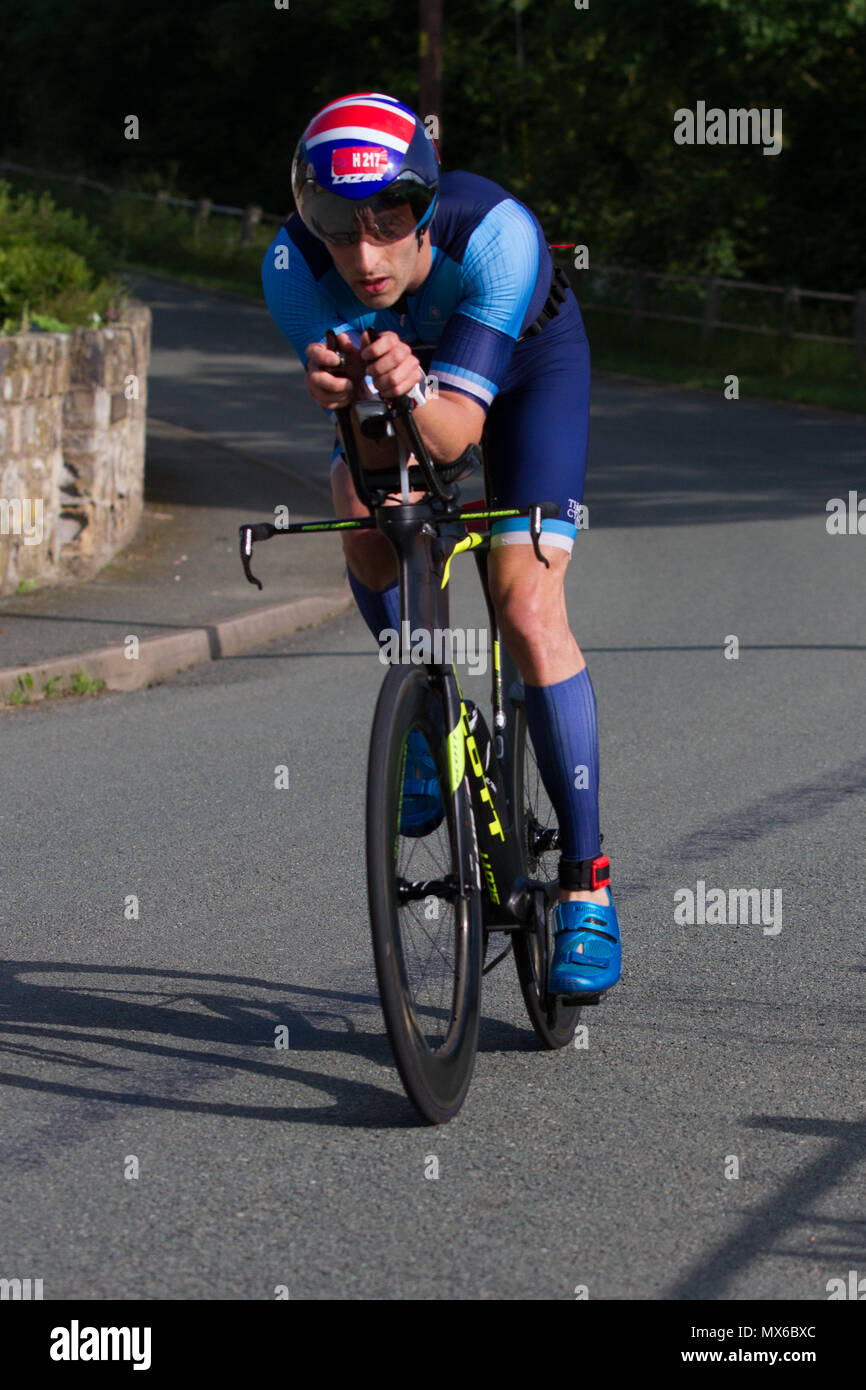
x=489 y=865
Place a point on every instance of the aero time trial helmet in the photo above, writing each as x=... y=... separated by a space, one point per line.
x=365 y=166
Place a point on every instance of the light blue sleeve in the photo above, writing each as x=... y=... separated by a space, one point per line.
x=499 y=276
x=500 y=268
x=302 y=310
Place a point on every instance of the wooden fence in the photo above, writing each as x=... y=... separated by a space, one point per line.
x=790 y=296
x=202 y=207
x=708 y=320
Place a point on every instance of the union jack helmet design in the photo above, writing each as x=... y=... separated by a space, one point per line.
x=360 y=159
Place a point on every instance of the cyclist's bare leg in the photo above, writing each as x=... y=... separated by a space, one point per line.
x=530 y=605
x=368 y=554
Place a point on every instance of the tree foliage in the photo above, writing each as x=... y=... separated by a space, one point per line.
x=572 y=110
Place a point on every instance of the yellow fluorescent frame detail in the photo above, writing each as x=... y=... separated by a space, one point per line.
x=468 y=542
x=456 y=756
x=495 y=825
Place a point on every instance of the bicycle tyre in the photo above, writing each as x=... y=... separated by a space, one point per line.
x=434 y=1041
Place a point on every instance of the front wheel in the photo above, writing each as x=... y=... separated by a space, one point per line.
x=554 y=1021
x=427 y=933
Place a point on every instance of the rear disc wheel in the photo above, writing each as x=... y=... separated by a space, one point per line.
x=553 y=1020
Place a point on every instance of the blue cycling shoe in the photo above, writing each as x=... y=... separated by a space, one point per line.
x=422 y=809
x=587 y=956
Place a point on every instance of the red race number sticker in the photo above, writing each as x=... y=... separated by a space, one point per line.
x=362 y=161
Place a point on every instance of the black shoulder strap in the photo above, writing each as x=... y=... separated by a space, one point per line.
x=559 y=286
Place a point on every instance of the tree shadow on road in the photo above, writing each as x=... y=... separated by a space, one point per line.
x=171 y=1033
x=767 y=1230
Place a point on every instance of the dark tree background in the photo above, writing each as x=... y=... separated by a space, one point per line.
x=581 y=128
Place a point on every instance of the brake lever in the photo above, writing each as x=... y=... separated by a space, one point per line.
x=261 y=531
x=535 y=533
x=332 y=346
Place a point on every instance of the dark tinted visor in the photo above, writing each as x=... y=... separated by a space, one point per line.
x=387 y=216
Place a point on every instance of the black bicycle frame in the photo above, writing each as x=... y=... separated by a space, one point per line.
x=423 y=536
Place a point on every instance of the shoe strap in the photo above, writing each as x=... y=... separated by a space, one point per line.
x=592 y=918
x=584 y=873
x=417 y=786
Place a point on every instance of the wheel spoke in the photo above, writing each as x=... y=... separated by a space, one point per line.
x=429 y=949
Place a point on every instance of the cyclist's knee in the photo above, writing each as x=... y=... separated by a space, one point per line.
x=534 y=632
x=534 y=622
x=529 y=598
x=368 y=554
x=371 y=559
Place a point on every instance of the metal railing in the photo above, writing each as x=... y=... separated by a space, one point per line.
x=708 y=319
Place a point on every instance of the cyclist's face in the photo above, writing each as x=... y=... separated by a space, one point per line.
x=378 y=271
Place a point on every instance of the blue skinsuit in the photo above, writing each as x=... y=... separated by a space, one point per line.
x=489 y=279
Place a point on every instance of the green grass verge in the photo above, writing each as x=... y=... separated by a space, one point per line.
x=78 y=683
x=803 y=391
x=801 y=372
x=236 y=284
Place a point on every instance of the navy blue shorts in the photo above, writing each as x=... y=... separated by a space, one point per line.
x=537 y=430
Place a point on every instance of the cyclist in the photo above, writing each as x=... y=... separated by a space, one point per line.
x=456 y=276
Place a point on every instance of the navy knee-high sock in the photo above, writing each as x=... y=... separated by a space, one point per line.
x=380 y=608
x=562 y=724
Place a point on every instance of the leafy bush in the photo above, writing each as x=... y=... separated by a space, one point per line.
x=55 y=269
x=168 y=239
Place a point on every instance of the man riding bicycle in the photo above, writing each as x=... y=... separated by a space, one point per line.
x=455 y=276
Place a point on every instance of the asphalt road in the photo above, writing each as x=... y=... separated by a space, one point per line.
x=152 y=1037
x=219 y=365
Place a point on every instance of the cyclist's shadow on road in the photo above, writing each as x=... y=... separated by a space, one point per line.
x=155 y=1039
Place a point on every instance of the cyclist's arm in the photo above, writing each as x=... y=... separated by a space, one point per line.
x=332 y=392
x=499 y=277
x=500 y=272
x=304 y=312
x=448 y=423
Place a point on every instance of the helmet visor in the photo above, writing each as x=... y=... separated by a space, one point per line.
x=387 y=216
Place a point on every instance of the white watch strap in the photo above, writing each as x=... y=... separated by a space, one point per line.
x=419 y=393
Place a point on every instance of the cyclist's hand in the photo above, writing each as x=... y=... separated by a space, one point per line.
x=335 y=391
x=391 y=364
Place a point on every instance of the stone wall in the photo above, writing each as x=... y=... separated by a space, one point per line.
x=72 y=433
